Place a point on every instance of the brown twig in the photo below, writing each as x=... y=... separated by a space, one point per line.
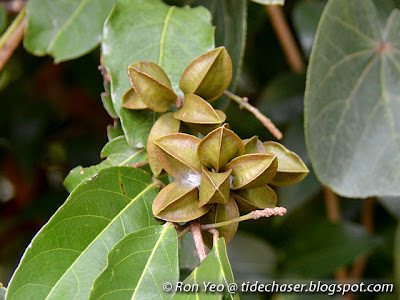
x=12 y=38
x=243 y=103
x=198 y=240
x=333 y=215
x=367 y=221
x=215 y=234
x=254 y=215
x=286 y=38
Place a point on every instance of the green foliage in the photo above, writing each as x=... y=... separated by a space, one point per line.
x=351 y=108
x=139 y=265
x=163 y=40
x=107 y=239
x=78 y=238
x=215 y=269
x=74 y=28
x=117 y=153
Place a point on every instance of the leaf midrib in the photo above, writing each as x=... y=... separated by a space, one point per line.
x=100 y=235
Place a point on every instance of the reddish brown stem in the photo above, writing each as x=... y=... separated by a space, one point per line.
x=198 y=240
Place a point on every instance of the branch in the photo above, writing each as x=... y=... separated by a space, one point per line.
x=198 y=240
x=286 y=38
x=254 y=215
x=243 y=102
x=367 y=221
x=12 y=38
x=139 y=164
x=13 y=7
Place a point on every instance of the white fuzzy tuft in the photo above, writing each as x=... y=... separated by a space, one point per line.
x=192 y=180
x=231 y=180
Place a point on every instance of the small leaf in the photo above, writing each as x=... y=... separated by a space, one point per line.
x=178 y=203
x=221 y=213
x=215 y=268
x=117 y=152
x=131 y=100
x=115 y=130
x=252 y=170
x=214 y=187
x=139 y=265
x=177 y=153
x=108 y=106
x=70 y=251
x=198 y=111
x=165 y=124
x=258 y=198
x=151 y=85
x=219 y=147
x=253 y=145
x=74 y=29
x=208 y=75
x=291 y=168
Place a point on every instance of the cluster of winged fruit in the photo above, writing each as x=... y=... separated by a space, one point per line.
x=219 y=175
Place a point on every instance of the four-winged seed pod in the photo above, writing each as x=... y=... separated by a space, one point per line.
x=219 y=175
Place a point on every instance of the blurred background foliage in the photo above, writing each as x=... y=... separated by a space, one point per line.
x=52 y=120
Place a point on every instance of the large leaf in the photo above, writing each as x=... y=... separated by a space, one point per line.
x=117 y=152
x=70 y=251
x=214 y=269
x=149 y=30
x=139 y=265
x=65 y=29
x=311 y=254
x=352 y=107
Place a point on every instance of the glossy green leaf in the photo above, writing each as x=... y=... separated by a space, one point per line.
x=215 y=269
x=188 y=257
x=108 y=106
x=74 y=28
x=152 y=30
x=311 y=254
x=305 y=20
x=139 y=265
x=164 y=125
x=351 y=109
x=178 y=203
x=270 y=2
x=70 y=251
x=117 y=152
